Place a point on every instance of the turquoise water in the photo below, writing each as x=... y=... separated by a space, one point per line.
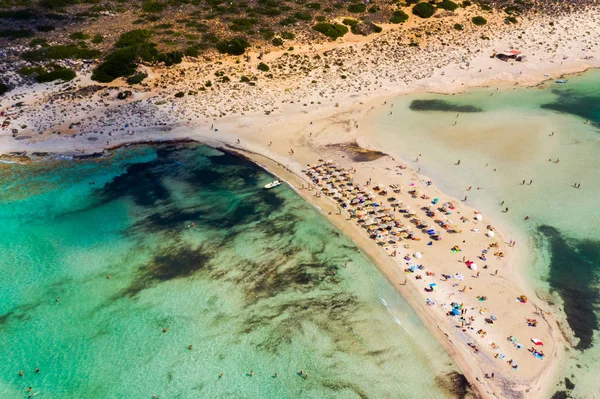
x=502 y=137
x=249 y=285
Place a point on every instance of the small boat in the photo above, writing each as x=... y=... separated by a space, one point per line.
x=561 y=81
x=273 y=184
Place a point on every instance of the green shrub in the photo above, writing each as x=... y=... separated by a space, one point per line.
x=288 y=36
x=59 y=74
x=45 y=28
x=263 y=67
x=277 y=42
x=79 y=36
x=123 y=62
x=192 y=51
x=459 y=26
x=30 y=71
x=479 y=21
x=133 y=38
x=38 y=42
x=303 y=16
x=242 y=24
x=59 y=53
x=244 y=79
x=357 y=8
x=511 y=20
x=350 y=22
x=55 y=4
x=320 y=18
x=172 y=58
x=448 y=5
x=376 y=28
x=373 y=9
x=19 y=14
x=466 y=3
x=267 y=34
x=137 y=78
x=153 y=6
x=235 y=46
x=12 y=34
x=179 y=94
x=98 y=38
x=398 y=17
x=332 y=31
x=314 y=6
x=423 y=10
x=3 y=89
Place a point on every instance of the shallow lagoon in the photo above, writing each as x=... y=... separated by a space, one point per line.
x=250 y=286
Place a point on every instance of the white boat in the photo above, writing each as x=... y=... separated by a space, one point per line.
x=561 y=81
x=273 y=184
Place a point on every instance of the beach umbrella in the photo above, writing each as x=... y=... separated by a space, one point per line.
x=418 y=255
x=478 y=216
x=473 y=267
x=490 y=233
x=537 y=341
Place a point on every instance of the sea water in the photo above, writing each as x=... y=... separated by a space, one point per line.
x=549 y=135
x=112 y=268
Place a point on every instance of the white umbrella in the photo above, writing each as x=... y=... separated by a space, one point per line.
x=490 y=233
x=473 y=267
x=418 y=255
x=478 y=216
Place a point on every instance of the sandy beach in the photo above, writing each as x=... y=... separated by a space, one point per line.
x=297 y=121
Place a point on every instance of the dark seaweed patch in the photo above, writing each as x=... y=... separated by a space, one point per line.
x=456 y=384
x=571 y=102
x=574 y=275
x=441 y=105
x=560 y=395
x=169 y=264
x=340 y=386
x=569 y=384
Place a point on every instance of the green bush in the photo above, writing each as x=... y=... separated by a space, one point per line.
x=332 y=31
x=423 y=10
x=448 y=5
x=267 y=34
x=303 y=16
x=30 y=71
x=55 y=4
x=277 y=42
x=244 y=79
x=45 y=28
x=235 y=46
x=179 y=94
x=320 y=18
x=123 y=62
x=19 y=14
x=314 y=6
x=466 y=3
x=459 y=26
x=59 y=53
x=511 y=20
x=38 y=42
x=263 y=67
x=59 y=74
x=192 y=51
x=172 y=58
x=153 y=6
x=376 y=28
x=373 y=9
x=398 y=17
x=137 y=78
x=479 y=21
x=98 y=38
x=288 y=36
x=133 y=38
x=350 y=22
x=3 y=89
x=357 y=8
x=79 y=36
x=242 y=24
x=12 y=34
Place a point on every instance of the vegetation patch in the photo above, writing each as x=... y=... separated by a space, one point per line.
x=332 y=31
x=60 y=53
x=12 y=34
x=3 y=89
x=235 y=46
x=263 y=67
x=479 y=20
x=447 y=5
x=137 y=78
x=58 y=74
x=399 y=17
x=423 y=10
x=357 y=8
